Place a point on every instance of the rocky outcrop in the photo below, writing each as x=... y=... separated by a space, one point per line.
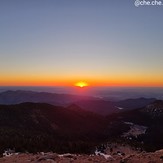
x=74 y=158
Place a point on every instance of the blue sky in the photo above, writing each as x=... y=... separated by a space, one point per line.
x=92 y=40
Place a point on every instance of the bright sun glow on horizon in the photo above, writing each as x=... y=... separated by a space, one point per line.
x=81 y=84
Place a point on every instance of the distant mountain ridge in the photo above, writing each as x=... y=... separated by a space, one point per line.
x=20 y=96
x=87 y=103
x=134 y=103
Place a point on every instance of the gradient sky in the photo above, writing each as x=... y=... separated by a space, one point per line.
x=59 y=42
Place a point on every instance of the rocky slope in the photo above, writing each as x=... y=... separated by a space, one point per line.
x=143 y=157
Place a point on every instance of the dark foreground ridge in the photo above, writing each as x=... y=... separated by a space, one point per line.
x=37 y=127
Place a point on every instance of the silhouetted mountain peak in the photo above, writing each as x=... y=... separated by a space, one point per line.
x=155 y=109
x=135 y=103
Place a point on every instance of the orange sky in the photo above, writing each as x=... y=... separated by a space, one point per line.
x=99 y=42
x=49 y=81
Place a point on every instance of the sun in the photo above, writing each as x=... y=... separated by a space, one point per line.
x=81 y=84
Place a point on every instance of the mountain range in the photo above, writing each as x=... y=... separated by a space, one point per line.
x=79 y=126
x=88 y=103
